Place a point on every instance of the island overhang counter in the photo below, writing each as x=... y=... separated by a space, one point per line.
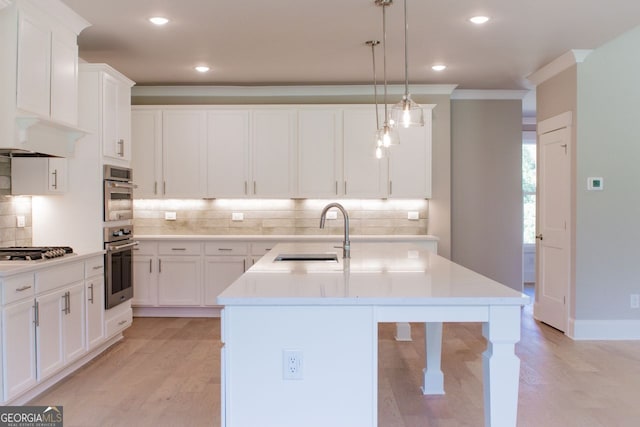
x=326 y=313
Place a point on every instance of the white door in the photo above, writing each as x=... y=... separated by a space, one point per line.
x=220 y=272
x=74 y=324
x=94 y=295
x=179 y=281
x=145 y=279
x=18 y=334
x=146 y=155
x=49 y=333
x=553 y=252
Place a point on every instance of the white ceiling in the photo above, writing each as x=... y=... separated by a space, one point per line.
x=294 y=42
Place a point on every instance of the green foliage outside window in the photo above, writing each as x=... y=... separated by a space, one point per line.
x=529 y=192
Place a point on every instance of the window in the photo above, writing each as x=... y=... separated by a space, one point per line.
x=529 y=190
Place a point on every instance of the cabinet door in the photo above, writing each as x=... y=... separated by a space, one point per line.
x=410 y=162
x=227 y=153
x=124 y=121
x=64 y=77
x=184 y=159
x=364 y=175
x=94 y=296
x=146 y=152
x=272 y=153
x=57 y=175
x=34 y=65
x=318 y=148
x=18 y=335
x=179 y=281
x=111 y=144
x=49 y=333
x=145 y=281
x=220 y=272
x=74 y=324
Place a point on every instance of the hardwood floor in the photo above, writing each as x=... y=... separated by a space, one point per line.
x=167 y=373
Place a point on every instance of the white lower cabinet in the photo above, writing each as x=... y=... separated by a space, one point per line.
x=18 y=334
x=179 y=279
x=220 y=272
x=51 y=318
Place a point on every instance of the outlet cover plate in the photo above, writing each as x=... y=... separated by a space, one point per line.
x=170 y=216
x=292 y=364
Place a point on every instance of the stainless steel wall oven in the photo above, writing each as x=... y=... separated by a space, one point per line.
x=118 y=261
x=118 y=193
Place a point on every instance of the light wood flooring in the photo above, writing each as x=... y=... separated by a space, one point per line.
x=167 y=373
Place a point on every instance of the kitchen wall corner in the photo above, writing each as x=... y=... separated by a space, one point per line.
x=10 y=208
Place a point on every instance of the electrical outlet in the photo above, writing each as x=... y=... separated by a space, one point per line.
x=20 y=221
x=413 y=215
x=332 y=214
x=237 y=216
x=292 y=364
x=635 y=300
x=170 y=216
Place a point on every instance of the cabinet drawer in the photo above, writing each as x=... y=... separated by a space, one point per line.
x=17 y=287
x=179 y=248
x=94 y=266
x=118 y=323
x=225 y=248
x=146 y=248
x=261 y=248
x=59 y=276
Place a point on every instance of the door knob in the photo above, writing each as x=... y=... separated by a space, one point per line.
x=539 y=236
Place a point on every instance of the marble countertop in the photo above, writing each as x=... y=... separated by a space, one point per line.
x=10 y=268
x=378 y=274
x=288 y=237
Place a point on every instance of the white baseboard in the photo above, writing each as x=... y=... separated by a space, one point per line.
x=176 y=311
x=604 y=329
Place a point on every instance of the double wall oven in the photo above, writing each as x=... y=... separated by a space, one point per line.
x=118 y=234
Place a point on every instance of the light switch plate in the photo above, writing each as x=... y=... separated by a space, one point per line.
x=332 y=214
x=237 y=216
x=20 y=221
x=413 y=216
x=170 y=216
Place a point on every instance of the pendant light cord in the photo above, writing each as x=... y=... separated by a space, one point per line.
x=373 y=44
x=384 y=59
x=406 y=55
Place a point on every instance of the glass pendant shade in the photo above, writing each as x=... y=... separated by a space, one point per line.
x=407 y=113
x=387 y=136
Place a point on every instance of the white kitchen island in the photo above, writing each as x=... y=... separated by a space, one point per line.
x=326 y=314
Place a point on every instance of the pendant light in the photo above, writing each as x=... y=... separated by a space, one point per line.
x=387 y=134
x=407 y=113
x=381 y=151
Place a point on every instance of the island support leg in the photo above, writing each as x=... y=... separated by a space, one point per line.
x=501 y=366
x=433 y=379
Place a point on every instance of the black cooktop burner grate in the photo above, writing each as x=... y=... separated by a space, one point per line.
x=32 y=253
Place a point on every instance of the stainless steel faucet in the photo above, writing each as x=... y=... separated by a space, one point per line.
x=346 y=245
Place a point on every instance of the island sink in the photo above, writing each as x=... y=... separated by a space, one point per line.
x=326 y=257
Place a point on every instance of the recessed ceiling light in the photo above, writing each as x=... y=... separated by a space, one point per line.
x=202 y=68
x=439 y=67
x=158 y=20
x=479 y=20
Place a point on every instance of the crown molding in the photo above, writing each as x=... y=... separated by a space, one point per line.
x=558 y=65
x=488 y=94
x=259 y=91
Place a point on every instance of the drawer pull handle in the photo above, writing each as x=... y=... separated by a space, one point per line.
x=24 y=288
x=97 y=267
x=178 y=249
x=225 y=249
x=122 y=322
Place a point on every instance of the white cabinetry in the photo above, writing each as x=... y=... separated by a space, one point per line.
x=224 y=263
x=94 y=294
x=179 y=274
x=364 y=175
x=146 y=152
x=228 y=153
x=39 y=66
x=145 y=274
x=38 y=175
x=18 y=334
x=273 y=153
x=319 y=145
x=108 y=94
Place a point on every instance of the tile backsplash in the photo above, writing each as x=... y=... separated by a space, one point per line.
x=277 y=217
x=10 y=208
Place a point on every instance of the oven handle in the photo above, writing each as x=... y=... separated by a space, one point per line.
x=121 y=185
x=111 y=248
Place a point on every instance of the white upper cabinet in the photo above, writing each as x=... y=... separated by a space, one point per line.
x=146 y=152
x=319 y=145
x=184 y=156
x=273 y=153
x=228 y=153
x=410 y=162
x=116 y=115
x=64 y=78
x=364 y=174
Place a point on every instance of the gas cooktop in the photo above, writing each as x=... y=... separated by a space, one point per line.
x=32 y=253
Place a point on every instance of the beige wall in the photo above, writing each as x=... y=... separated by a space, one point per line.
x=487 y=188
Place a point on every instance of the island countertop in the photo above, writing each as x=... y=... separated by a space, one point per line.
x=376 y=274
